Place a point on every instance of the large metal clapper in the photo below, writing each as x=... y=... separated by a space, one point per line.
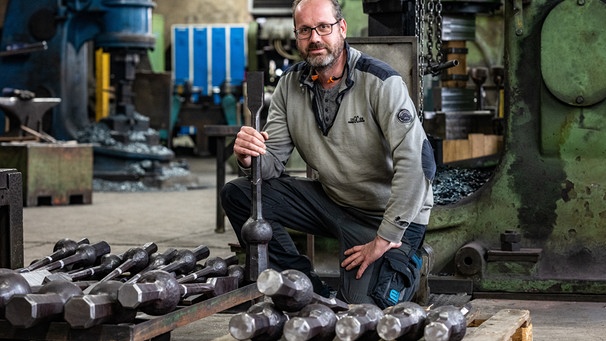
x=256 y=232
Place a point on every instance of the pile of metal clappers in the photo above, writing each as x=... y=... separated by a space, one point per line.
x=85 y=285
x=292 y=311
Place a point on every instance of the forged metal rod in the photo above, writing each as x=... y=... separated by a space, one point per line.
x=182 y=263
x=28 y=310
x=256 y=232
x=11 y=283
x=215 y=266
x=160 y=259
x=84 y=256
x=261 y=322
x=291 y=290
x=404 y=321
x=134 y=260
x=108 y=263
x=186 y=260
x=314 y=322
x=99 y=306
x=447 y=323
x=158 y=292
x=359 y=323
x=63 y=248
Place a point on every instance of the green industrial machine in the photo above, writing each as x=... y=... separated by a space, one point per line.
x=538 y=226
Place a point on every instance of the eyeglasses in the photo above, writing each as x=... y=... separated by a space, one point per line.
x=321 y=30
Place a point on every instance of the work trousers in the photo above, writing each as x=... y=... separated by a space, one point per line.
x=302 y=205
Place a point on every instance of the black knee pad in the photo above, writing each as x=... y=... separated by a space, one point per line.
x=395 y=278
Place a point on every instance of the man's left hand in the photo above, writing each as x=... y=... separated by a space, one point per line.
x=363 y=255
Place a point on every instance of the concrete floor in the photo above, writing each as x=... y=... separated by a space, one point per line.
x=186 y=219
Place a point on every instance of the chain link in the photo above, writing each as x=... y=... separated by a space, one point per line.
x=440 y=53
x=419 y=28
x=428 y=17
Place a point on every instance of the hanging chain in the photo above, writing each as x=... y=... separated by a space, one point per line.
x=439 y=52
x=419 y=29
x=428 y=17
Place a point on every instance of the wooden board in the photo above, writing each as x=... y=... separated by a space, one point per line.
x=505 y=325
x=475 y=146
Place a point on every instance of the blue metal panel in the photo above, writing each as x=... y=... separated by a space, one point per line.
x=201 y=62
x=181 y=55
x=238 y=54
x=219 y=55
x=207 y=55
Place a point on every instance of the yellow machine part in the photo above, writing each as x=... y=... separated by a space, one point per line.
x=102 y=84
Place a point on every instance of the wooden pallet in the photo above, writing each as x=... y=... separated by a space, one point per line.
x=505 y=325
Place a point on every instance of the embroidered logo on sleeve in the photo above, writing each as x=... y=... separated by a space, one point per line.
x=356 y=119
x=404 y=116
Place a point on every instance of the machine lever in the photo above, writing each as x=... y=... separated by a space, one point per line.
x=20 y=48
x=435 y=68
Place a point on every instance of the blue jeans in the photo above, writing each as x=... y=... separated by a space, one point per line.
x=302 y=205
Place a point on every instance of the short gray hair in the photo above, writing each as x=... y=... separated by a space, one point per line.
x=336 y=8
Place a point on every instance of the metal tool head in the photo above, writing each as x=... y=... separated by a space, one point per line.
x=255 y=89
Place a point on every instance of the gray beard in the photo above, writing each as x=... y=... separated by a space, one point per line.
x=320 y=63
x=323 y=63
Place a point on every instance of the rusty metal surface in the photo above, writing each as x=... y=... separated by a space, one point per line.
x=145 y=329
x=549 y=184
x=571 y=71
x=55 y=174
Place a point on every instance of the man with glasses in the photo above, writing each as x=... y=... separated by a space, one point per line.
x=352 y=120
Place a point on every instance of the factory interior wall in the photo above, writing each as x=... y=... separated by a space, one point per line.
x=484 y=51
x=200 y=12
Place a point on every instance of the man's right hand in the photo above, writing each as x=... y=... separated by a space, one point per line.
x=249 y=142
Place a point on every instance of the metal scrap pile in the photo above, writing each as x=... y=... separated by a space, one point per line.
x=453 y=184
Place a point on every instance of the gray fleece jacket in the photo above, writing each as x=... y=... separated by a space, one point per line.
x=375 y=157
